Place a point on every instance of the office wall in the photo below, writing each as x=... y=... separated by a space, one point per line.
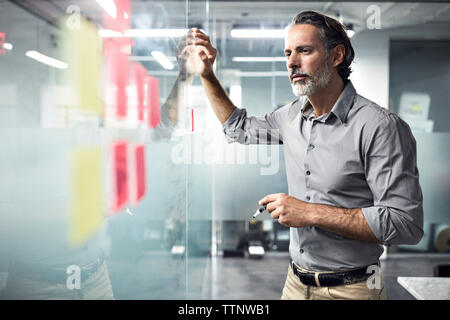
x=371 y=65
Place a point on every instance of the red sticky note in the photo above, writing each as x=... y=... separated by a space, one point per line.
x=2 y=42
x=154 y=114
x=139 y=75
x=137 y=173
x=117 y=72
x=117 y=51
x=120 y=175
x=140 y=171
x=121 y=21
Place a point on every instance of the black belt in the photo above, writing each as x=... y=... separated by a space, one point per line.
x=54 y=275
x=321 y=279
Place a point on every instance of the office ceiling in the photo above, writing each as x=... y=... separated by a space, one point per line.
x=252 y=13
x=405 y=20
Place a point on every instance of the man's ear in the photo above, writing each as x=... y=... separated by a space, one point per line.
x=338 y=55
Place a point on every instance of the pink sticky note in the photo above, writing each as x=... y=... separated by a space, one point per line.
x=154 y=114
x=140 y=172
x=117 y=51
x=120 y=175
x=121 y=21
x=139 y=75
x=117 y=72
x=2 y=42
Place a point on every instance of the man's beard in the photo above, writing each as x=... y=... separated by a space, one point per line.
x=308 y=86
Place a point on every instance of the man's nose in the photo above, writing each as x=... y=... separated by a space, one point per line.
x=292 y=62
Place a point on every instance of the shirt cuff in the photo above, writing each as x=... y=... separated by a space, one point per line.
x=233 y=126
x=379 y=222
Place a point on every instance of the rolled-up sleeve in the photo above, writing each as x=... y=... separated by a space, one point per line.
x=253 y=130
x=396 y=216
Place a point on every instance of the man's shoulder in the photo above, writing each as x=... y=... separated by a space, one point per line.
x=366 y=108
x=367 y=111
x=373 y=117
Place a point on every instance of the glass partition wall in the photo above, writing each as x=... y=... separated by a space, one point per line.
x=106 y=166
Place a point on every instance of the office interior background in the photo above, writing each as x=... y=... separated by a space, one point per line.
x=89 y=166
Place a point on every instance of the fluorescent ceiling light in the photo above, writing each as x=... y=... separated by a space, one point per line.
x=147 y=58
x=258 y=33
x=106 y=33
x=163 y=60
x=155 y=33
x=109 y=6
x=7 y=46
x=46 y=60
x=259 y=59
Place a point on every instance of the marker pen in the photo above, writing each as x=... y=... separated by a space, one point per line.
x=260 y=210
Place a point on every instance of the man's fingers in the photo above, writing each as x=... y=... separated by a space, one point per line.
x=201 y=42
x=269 y=198
x=200 y=35
x=209 y=54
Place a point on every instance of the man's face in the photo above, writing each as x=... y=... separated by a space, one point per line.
x=307 y=60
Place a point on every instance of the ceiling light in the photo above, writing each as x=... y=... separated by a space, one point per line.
x=155 y=33
x=109 y=6
x=147 y=58
x=350 y=33
x=46 y=60
x=163 y=60
x=258 y=33
x=259 y=59
x=107 y=33
x=7 y=46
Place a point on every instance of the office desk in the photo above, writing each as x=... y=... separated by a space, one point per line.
x=427 y=288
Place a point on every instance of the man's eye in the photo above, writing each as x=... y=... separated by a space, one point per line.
x=306 y=51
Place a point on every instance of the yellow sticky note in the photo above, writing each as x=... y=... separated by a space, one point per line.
x=87 y=195
x=83 y=52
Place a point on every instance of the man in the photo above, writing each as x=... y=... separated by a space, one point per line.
x=350 y=164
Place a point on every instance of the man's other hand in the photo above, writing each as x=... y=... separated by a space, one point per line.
x=289 y=211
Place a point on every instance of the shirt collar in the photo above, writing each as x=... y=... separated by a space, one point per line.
x=340 y=108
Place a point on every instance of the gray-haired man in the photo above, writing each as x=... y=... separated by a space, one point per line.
x=350 y=164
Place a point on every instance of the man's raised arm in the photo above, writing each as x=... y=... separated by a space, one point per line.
x=206 y=54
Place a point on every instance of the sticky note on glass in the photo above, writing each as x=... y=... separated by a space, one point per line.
x=117 y=51
x=137 y=173
x=87 y=195
x=153 y=109
x=2 y=42
x=119 y=151
x=118 y=18
x=82 y=50
x=139 y=75
x=117 y=73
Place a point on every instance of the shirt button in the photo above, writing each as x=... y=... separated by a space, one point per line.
x=301 y=250
x=308 y=173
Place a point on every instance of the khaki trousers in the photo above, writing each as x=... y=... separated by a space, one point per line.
x=294 y=289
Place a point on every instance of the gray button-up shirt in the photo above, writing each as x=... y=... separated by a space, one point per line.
x=357 y=156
